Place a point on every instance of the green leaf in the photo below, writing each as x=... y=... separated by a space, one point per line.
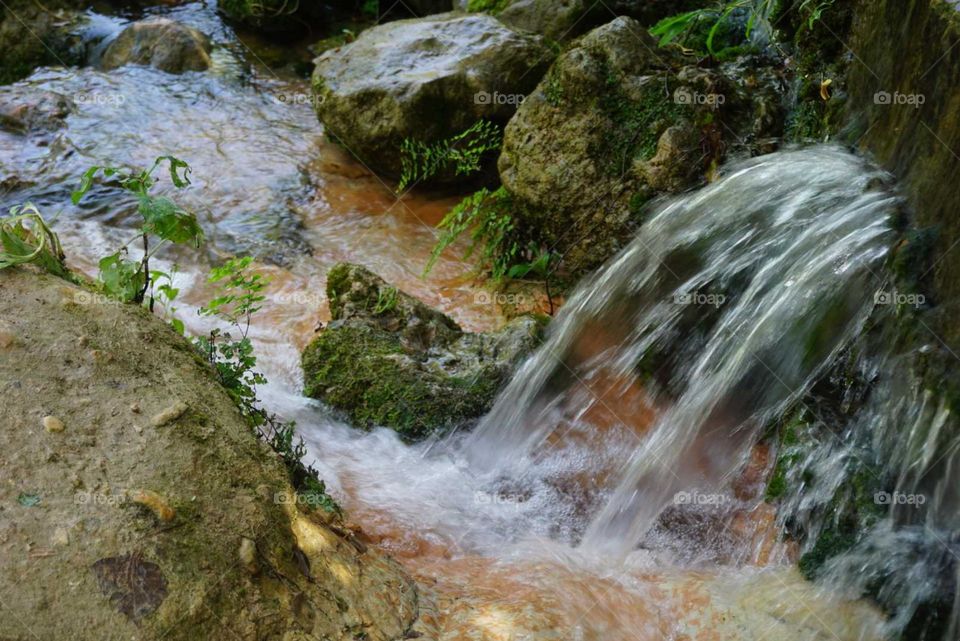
x=122 y=279
x=167 y=220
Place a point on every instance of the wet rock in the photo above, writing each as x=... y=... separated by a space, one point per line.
x=555 y=19
x=425 y=79
x=29 y=110
x=616 y=122
x=389 y=360
x=160 y=43
x=53 y=424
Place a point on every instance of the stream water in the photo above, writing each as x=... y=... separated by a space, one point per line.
x=586 y=505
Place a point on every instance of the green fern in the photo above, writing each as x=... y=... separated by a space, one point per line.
x=463 y=153
x=493 y=230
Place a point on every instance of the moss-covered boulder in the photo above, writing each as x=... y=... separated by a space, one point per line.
x=138 y=503
x=618 y=121
x=388 y=360
x=424 y=79
x=160 y=43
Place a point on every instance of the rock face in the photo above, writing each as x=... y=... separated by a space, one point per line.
x=555 y=19
x=114 y=528
x=389 y=360
x=160 y=43
x=426 y=79
x=33 y=35
x=617 y=121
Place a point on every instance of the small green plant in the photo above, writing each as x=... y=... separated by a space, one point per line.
x=488 y=215
x=26 y=238
x=489 y=6
x=538 y=266
x=701 y=29
x=814 y=10
x=232 y=357
x=131 y=280
x=386 y=300
x=462 y=153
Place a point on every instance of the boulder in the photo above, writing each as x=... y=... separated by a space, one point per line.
x=33 y=109
x=616 y=122
x=160 y=43
x=119 y=526
x=425 y=79
x=388 y=360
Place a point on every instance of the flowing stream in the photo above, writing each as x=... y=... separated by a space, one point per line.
x=615 y=490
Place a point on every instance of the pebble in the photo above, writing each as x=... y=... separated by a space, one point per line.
x=135 y=408
x=53 y=424
x=7 y=339
x=170 y=414
x=60 y=537
x=248 y=555
x=156 y=503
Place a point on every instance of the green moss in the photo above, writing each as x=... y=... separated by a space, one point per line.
x=365 y=372
x=787 y=458
x=489 y=6
x=635 y=124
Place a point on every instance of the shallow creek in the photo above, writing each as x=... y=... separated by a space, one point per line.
x=497 y=558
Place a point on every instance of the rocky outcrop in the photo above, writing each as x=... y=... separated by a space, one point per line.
x=160 y=43
x=389 y=360
x=425 y=79
x=618 y=121
x=139 y=504
x=274 y=16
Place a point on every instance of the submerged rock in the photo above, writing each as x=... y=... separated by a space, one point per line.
x=425 y=79
x=190 y=532
x=616 y=122
x=389 y=360
x=32 y=109
x=160 y=43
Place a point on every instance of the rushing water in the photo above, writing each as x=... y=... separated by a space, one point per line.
x=615 y=491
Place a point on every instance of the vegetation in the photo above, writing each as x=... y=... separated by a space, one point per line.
x=130 y=280
x=719 y=30
x=26 y=238
x=461 y=154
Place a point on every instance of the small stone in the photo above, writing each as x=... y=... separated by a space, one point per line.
x=156 y=503
x=53 y=424
x=170 y=414
x=83 y=341
x=135 y=408
x=60 y=537
x=248 y=555
x=7 y=339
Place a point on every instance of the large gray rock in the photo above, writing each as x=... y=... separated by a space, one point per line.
x=426 y=79
x=389 y=360
x=615 y=122
x=160 y=43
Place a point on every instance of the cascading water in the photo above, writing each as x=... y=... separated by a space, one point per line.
x=727 y=305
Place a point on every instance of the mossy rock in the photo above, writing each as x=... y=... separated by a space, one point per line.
x=275 y=17
x=389 y=360
x=617 y=121
x=34 y=35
